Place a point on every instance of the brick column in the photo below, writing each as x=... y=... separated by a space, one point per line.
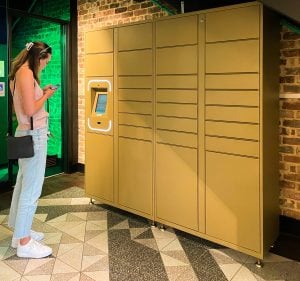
x=97 y=14
x=290 y=125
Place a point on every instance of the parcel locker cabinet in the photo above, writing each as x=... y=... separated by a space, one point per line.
x=194 y=137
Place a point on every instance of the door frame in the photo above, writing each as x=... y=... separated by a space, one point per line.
x=69 y=87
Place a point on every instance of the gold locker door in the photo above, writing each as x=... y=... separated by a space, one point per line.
x=99 y=166
x=232 y=199
x=135 y=175
x=176 y=185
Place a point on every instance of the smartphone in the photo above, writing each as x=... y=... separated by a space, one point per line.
x=54 y=87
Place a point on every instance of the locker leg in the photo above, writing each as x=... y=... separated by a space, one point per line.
x=91 y=201
x=162 y=228
x=153 y=225
x=259 y=264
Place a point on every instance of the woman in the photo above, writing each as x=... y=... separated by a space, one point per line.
x=28 y=100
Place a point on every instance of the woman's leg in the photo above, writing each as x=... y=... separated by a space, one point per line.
x=33 y=173
x=30 y=182
x=15 y=199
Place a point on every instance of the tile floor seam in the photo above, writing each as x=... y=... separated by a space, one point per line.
x=6 y=226
x=242 y=266
x=165 y=245
x=57 y=256
x=83 y=247
x=235 y=273
x=66 y=264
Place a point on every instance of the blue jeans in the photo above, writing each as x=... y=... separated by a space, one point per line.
x=29 y=184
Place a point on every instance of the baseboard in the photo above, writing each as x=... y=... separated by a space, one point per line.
x=52 y=160
x=289 y=226
x=288 y=241
x=80 y=167
x=5 y=186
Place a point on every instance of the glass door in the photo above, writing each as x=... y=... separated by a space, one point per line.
x=26 y=29
x=22 y=22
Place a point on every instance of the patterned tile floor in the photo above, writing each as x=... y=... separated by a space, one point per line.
x=98 y=242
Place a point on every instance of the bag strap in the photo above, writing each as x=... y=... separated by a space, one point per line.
x=12 y=101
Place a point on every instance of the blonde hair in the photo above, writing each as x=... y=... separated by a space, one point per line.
x=33 y=52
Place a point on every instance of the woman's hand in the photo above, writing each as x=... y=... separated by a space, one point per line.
x=48 y=91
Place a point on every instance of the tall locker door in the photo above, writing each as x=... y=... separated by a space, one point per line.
x=232 y=124
x=176 y=168
x=135 y=118
x=99 y=147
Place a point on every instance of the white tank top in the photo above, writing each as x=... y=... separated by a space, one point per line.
x=39 y=118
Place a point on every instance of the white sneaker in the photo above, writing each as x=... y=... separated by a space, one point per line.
x=34 y=250
x=37 y=236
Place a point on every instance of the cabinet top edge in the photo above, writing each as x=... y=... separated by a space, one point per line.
x=206 y=11
x=195 y=13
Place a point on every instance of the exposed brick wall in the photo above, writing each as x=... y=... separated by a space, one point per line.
x=95 y=14
x=290 y=125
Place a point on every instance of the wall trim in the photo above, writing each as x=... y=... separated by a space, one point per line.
x=78 y=167
x=289 y=225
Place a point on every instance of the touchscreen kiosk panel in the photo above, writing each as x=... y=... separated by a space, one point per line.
x=101 y=104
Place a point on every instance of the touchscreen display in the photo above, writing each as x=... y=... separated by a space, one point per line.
x=101 y=104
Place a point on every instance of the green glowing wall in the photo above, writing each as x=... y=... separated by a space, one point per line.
x=27 y=30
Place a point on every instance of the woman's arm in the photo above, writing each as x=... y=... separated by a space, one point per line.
x=25 y=85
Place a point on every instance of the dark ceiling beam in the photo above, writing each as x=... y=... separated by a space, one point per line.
x=28 y=11
x=288 y=8
x=165 y=6
x=45 y=18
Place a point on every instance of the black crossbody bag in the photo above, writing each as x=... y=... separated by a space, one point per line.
x=20 y=147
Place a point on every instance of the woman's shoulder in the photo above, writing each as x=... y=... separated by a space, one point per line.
x=24 y=72
x=25 y=69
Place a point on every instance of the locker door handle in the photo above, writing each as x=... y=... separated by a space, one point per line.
x=100 y=130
